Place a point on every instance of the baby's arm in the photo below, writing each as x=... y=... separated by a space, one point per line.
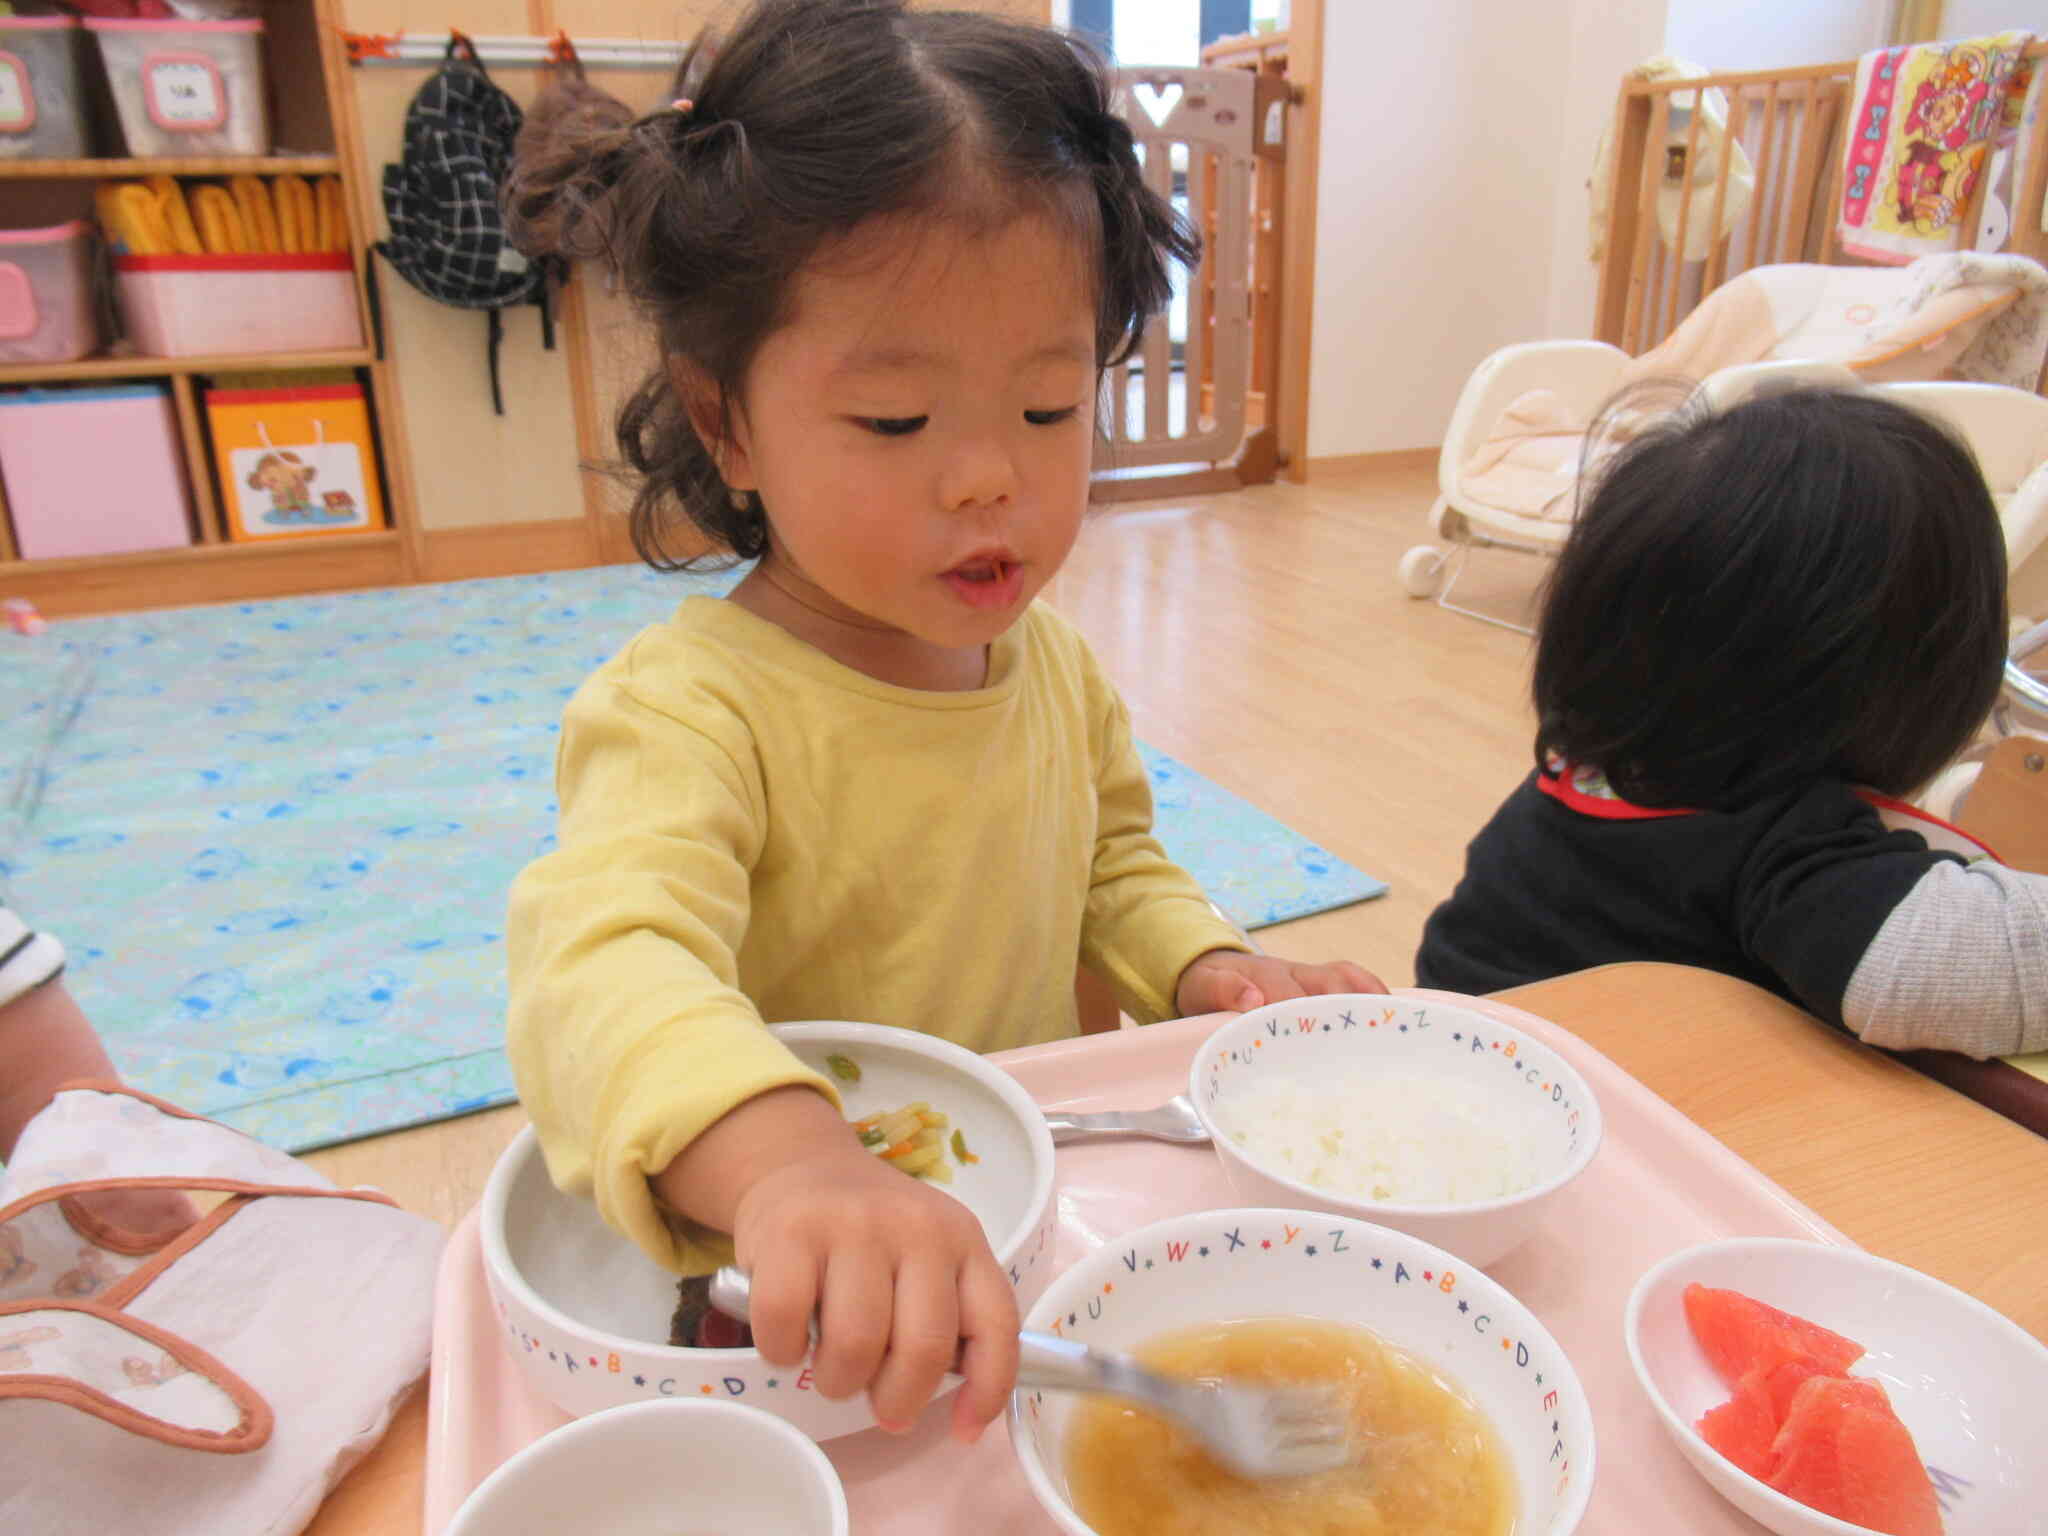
x=897 y=1272
x=1960 y=965
x=45 y=1039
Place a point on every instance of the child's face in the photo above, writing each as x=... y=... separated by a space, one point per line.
x=921 y=427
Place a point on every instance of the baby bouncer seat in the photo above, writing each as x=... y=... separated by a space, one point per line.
x=1509 y=469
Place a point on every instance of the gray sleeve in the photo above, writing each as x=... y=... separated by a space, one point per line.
x=1960 y=965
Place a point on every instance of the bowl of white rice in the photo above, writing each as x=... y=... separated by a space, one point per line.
x=1413 y=1112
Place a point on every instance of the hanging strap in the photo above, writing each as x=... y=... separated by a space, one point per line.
x=544 y=296
x=492 y=346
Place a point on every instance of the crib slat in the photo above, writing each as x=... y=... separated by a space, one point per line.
x=1622 y=237
x=1692 y=151
x=1799 y=204
x=1760 y=206
x=1646 y=220
x=1717 y=255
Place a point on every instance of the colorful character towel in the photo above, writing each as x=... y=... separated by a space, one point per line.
x=1925 y=120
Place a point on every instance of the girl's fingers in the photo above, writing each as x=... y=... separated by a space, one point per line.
x=1355 y=978
x=988 y=1322
x=783 y=1298
x=922 y=1342
x=854 y=1319
x=1281 y=984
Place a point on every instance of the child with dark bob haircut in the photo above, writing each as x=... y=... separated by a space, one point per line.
x=1767 y=627
x=887 y=255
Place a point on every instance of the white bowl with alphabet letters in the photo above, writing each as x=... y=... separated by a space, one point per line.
x=1414 y=1112
x=1229 y=1265
x=586 y=1313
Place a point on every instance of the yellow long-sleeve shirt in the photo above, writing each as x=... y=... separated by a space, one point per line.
x=751 y=831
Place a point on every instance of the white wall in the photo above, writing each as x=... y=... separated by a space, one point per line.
x=1783 y=34
x=1453 y=207
x=1437 y=180
x=1980 y=18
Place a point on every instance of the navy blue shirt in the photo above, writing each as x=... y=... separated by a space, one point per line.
x=1786 y=893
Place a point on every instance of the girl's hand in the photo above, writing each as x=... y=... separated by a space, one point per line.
x=1231 y=981
x=897 y=1272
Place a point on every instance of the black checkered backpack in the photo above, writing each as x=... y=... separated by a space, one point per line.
x=441 y=200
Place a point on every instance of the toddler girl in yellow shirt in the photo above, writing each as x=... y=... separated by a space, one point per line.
x=888 y=255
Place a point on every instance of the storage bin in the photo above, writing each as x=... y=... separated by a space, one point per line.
x=203 y=306
x=42 y=98
x=93 y=470
x=47 y=312
x=295 y=463
x=187 y=87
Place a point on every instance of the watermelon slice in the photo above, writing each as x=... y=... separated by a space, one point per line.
x=1844 y=1452
x=1740 y=1335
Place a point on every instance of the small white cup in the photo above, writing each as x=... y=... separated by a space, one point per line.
x=662 y=1469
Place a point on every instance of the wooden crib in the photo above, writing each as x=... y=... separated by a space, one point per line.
x=1791 y=123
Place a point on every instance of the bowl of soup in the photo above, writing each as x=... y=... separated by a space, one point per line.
x=589 y=1317
x=1419 y=1112
x=1465 y=1416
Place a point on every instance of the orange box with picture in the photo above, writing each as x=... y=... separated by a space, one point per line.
x=295 y=462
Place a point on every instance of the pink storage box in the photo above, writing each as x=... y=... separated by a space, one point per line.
x=42 y=101
x=46 y=300
x=208 y=306
x=187 y=87
x=92 y=471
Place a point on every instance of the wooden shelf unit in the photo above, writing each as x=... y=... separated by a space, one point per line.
x=313 y=107
x=218 y=165
x=134 y=367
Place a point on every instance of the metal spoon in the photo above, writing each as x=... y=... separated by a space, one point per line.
x=1175 y=1121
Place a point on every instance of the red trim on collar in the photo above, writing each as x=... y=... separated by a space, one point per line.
x=1560 y=788
x=1884 y=802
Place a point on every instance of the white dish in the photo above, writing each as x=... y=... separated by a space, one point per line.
x=1509 y=1076
x=1215 y=1265
x=586 y=1313
x=1967 y=1382
x=658 y=1469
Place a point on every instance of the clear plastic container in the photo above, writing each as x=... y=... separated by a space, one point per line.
x=68 y=495
x=206 y=306
x=42 y=97
x=187 y=87
x=47 y=313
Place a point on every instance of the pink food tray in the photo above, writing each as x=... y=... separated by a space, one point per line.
x=1659 y=1184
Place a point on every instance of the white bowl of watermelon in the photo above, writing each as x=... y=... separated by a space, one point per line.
x=1827 y=1392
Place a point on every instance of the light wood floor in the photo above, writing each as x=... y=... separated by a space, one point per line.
x=1260 y=637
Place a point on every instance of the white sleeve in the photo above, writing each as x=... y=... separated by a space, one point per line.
x=1960 y=965
x=27 y=958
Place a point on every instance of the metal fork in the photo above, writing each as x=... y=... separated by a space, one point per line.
x=1254 y=1431
x=1175 y=1120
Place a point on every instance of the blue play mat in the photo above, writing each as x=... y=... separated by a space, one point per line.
x=277 y=837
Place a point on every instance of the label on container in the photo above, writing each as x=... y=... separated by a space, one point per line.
x=17 y=96
x=184 y=92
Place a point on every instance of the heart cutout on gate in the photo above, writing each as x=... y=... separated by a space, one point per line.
x=1158 y=101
